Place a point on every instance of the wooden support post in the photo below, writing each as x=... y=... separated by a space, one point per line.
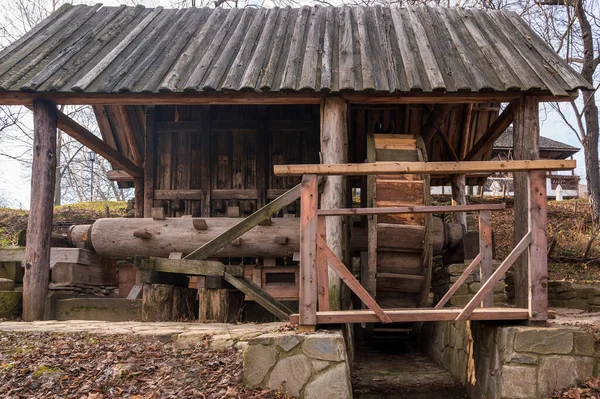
x=459 y=197
x=308 y=251
x=138 y=185
x=485 y=250
x=334 y=141
x=538 y=260
x=149 y=161
x=526 y=132
x=322 y=267
x=205 y=169
x=39 y=225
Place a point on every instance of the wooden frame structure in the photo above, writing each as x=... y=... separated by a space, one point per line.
x=315 y=255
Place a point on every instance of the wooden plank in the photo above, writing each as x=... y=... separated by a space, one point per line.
x=39 y=224
x=149 y=161
x=219 y=242
x=351 y=281
x=82 y=274
x=322 y=267
x=412 y=209
x=190 y=267
x=119 y=176
x=136 y=291
x=399 y=282
x=407 y=263
x=308 y=250
x=370 y=279
x=400 y=237
x=488 y=286
x=487 y=140
x=538 y=260
x=415 y=315
x=434 y=168
x=459 y=197
x=485 y=250
x=245 y=98
x=259 y=296
x=463 y=277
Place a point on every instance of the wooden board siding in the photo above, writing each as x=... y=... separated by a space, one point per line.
x=236 y=169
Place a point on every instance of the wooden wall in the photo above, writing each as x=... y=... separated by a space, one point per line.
x=211 y=159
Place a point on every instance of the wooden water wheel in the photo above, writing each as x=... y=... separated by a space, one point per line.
x=399 y=246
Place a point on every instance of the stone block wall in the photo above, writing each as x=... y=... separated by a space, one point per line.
x=512 y=362
x=445 y=275
x=563 y=294
x=306 y=366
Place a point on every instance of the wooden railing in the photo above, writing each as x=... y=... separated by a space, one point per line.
x=316 y=256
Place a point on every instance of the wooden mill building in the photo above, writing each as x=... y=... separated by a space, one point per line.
x=198 y=107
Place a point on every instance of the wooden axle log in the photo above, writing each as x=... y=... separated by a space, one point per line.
x=116 y=237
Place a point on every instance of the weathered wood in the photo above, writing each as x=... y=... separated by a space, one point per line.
x=88 y=139
x=334 y=141
x=434 y=168
x=309 y=198
x=526 y=133
x=219 y=242
x=415 y=315
x=76 y=273
x=485 y=250
x=157 y=300
x=119 y=176
x=411 y=209
x=322 y=267
x=184 y=304
x=220 y=305
x=369 y=280
x=143 y=234
x=437 y=117
x=538 y=260
x=340 y=269
x=487 y=140
x=135 y=292
x=459 y=197
x=138 y=185
x=39 y=225
x=259 y=296
x=199 y=224
x=179 y=235
x=149 y=161
x=158 y=213
x=463 y=277
x=191 y=267
x=488 y=286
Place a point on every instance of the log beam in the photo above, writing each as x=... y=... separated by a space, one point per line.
x=334 y=141
x=526 y=132
x=39 y=225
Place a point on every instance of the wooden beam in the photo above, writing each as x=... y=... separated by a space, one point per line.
x=119 y=176
x=526 y=133
x=216 y=98
x=212 y=247
x=485 y=250
x=352 y=283
x=334 y=142
x=538 y=260
x=309 y=203
x=434 y=168
x=260 y=296
x=190 y=267
x=138 y=187
x=411 y=209
x=88 y=139
x=498 y=126
x=39 y=225
x=459 y=198
x=488 y=286
x=415 y=315
x=322 y=267
x=149 y=161
x=129 y=135
x=463 y=277
x=436 y=119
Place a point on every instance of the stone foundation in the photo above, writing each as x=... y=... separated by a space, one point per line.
x=445 y=275
x=563 y=294
x=511 y=362
x=306 y=366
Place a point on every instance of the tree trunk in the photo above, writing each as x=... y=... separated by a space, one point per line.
x=39 y=225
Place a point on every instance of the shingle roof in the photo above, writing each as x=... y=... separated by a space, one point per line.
x=135 y=49
x=506 y=142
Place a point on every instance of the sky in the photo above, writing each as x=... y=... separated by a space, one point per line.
x=15 y=184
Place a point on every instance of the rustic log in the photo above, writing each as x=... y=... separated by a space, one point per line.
x=149 y=161
x=219 y=305
x=157 y=302
x=39 y=226
x=334 y=141
x=526 y=132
